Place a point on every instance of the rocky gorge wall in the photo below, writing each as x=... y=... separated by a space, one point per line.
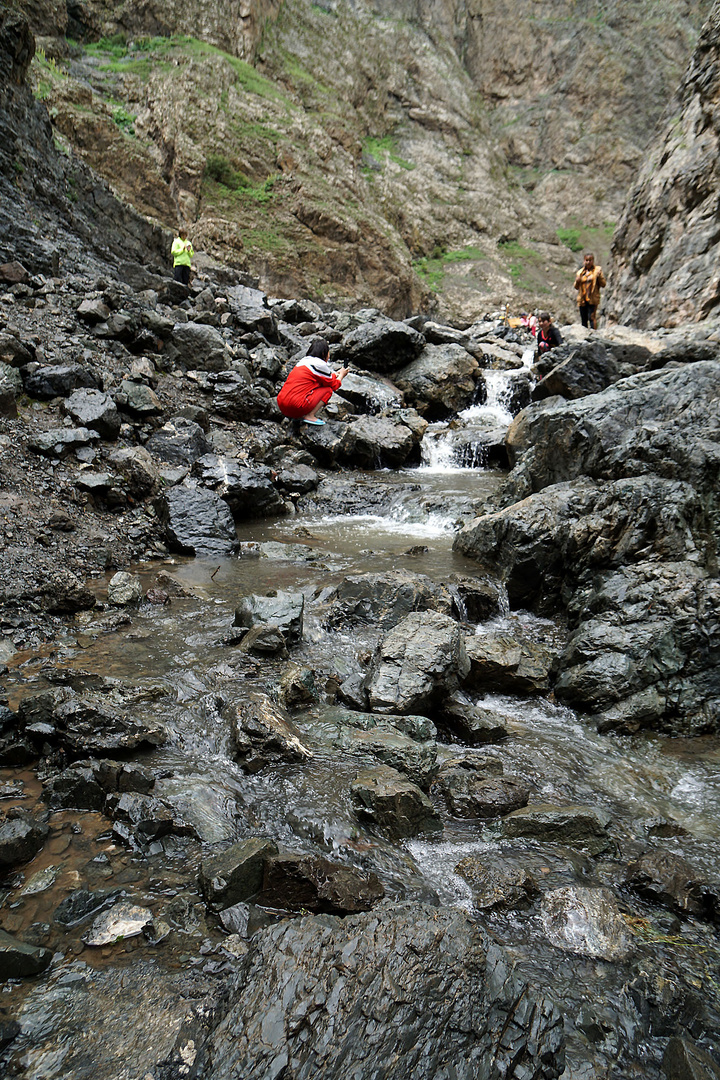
x=666 y=248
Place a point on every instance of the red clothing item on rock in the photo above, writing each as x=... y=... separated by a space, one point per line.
x=310 y=381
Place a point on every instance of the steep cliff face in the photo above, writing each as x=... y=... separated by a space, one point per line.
x=666 y=251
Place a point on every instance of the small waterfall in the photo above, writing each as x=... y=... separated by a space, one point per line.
x=475 y=439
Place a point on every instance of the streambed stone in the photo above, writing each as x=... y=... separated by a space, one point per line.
x=577 y=826
x=235 y=874
x=22 y=835
x=122 y=921
x=385 y=798
x=197 y=522
x=124 y=588
x=498 y=888
x=312 y=883
x=586 y=921
x=504 y=664
x=382 y=600
x=19 y=960
x=284 y=610
x=671 y=881
x=470 y=791
x=263 y=733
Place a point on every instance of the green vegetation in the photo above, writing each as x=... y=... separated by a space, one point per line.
x=219 y=169
x=125 y=120
x=47 y=73
x=385 y=148
x=239 y=189
x=431 y=268
x=596 y=238
x=265 y=240
x=522 y=262
x=570 y=238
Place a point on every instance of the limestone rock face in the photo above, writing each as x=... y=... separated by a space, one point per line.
x=666 y=248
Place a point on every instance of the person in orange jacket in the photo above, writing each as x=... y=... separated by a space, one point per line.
x=309 y=386
x=589 y=280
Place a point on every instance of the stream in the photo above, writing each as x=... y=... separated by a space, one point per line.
x=656 y=790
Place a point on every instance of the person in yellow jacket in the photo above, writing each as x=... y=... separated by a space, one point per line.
x=589 y=280
x=182 y=253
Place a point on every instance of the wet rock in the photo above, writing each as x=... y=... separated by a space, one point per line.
x=466 y=1003
x=575 y=370
x=48 y=382
x=382 y=345
x=200 y=348
x=124 y=588
x=502 y=664
x=263 y=733
x=237 y=397
x=140 y=473
x=95 y=410
x=264 y=641
x=575 y=826
x=386 y=799
x=473 y=724
x=498 y=888
x=377 y=442
x=21 y=837
x=284 y=610
x=683 y=1060
x=370 y=394
x=311 y=883
x=90 y=723
x=249 y=492
x=180 y=441
x=81 y=904
x=197 y=522
x=382 y=600
x=419 y=662
x=298 y=687
x=141 y=819
x=380 y=742
x=297 y=479
x=9 y=1030
x=469 y=792
x=236 y=873
x=476 y=598
x=121 y=922
x=59 y=442
x=671 y=881
x=440 y=382
x=586 y=921
x=19 y=961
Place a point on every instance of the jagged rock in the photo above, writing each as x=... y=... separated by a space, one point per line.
x=440 y=382
x=497 y=888
x=264 y=640
x=376 y=442
x=667 y=879
x=14 y=352
x=200 y=348
x=62 y=592
x=473 y=724
x=180 y=441
x=14 y=273
x=50 y=382
x=385 y=798
x=574 y=826
x=297 y=479
x=683 y=1060
x=85 y=785
x=141 y=819
x=21 y=837
x=500 y=663
x=384 y=599
x=298 y=686
x=465 y=1001
x=81 y=904
x=138 y=469
x=575 y=370
x=122 y=921
x=249 y=492
x=124 y=588
x=586 y=921
x=369 y=393
x=236 y=397
x=197 y=522
x=419 y=661
x=18 y=960
x=93 y=312
x=93 y=409
x=250 y=311
x=138 y=398
x=382 y=345
x=235 y=874
x=284 y=610
x=88 y=723
x=262 y=734
x=8 y=402
x=59 y=442
x=470 y=792
x=311 y=883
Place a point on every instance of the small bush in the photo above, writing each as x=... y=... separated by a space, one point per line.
x=219 y=169
x=570 y=238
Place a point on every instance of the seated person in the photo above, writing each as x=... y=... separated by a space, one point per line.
x=309 y=386
x=548 y=335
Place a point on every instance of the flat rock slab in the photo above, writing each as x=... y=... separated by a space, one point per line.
x=575 y=826
x=122 y=921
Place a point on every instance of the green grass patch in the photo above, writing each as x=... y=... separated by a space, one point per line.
x=219 y=169
x=265 y=240
x=469 y=254
x=570 y=238
x=125 y=120
x=431 y=268
x=384 y=147
x=218 y=193
x=46 y=74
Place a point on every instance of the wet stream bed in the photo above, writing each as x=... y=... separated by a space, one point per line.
x=657 y=792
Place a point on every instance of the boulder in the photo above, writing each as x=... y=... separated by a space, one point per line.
x=21 y=837
x=571 y=826
x=47 y=382
x=200 y=348
x=263 y=734
x=14 y=352
x=671 y=881
x=138 y=398
x=585 y=921
x=139 y=820
x=470 y=791
x=440 y=382
x=382 y=600
x=250 y=492
x=474 y=724
x=95 y=410
x=284 y=610
x=59 y=442
x=368 y=393
x=19 y=960
x=93 y=311
x=683 y=1060
x=419 y=662
x=138 y=470
x=197 y=522
x=312 y=883
x=572 y=371
x=377 y=442
x=180 y=441
x=124 y=588
x=381 y=345
x=235 y=874
x=237 y=397
x=503 y=664
x=89 y=723
x=497 y=888
x=385 y=798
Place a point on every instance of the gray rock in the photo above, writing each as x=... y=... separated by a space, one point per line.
x=472 y=793
x=8 y=392
x=235 y=874
x=249 y=492
x=59 y=442
x=237 y=397
x=381 y=742
x=586 y=921
x=502 y=664
x=50 y=382
x=419 y=661
x=376 y=442
x=124 y=588
x=93 y=409
x=138 y=398
x=440 y=382
x=671 y=881
x=382 y=345
x=369 y=393
x=89 y=723
x=386 y=799
x=138 y=470
x=575 y=370
x=312 y=883
x=123 y=921
x=14 y=352
x=473 y=724
x=284 y=610
x=81 y=904
x=497 y=888
x=197 y=522
x=21 y=837
x=19 y=961
x=180 y=441
x=93 y=311
x=574 y=826
x=200 y=348
x=683 y=1060
x=263 y=734
x=382 y=600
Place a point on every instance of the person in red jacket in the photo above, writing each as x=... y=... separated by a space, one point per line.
x=309 y=385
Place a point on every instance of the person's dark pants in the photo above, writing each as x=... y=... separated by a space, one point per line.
x=587 y=315
x=182 y=274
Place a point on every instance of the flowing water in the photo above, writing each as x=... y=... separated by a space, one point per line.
x=659 y=792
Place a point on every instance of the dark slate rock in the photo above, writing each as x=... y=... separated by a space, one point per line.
x=369 y=393
x=473 y=724
x=376 y=442
x=21 y=837
x=95 y=410
x=87 y=723
x=574 y=826
x=503 y=664
x=382 y=600
x=18 y=960
x=81 y=904
x=311 y=883
x=671 y=881
x=249 y=492
x=683 y=1060
x=180 y=441
x=200 y=348
x=197 y=522
x=382 y=345
x=472 y=793
x=575 y=370
x=385 y=798
x=237 y=397
x=498 y=888
x=138 y=398
x=14 y=352
x=93 y=312
x=50 y=382
x=285 y=610
x=8 y=402
x=440 y=382
x=59 y=442
x=235 y=874
x=586 y=921
x=263 y=733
